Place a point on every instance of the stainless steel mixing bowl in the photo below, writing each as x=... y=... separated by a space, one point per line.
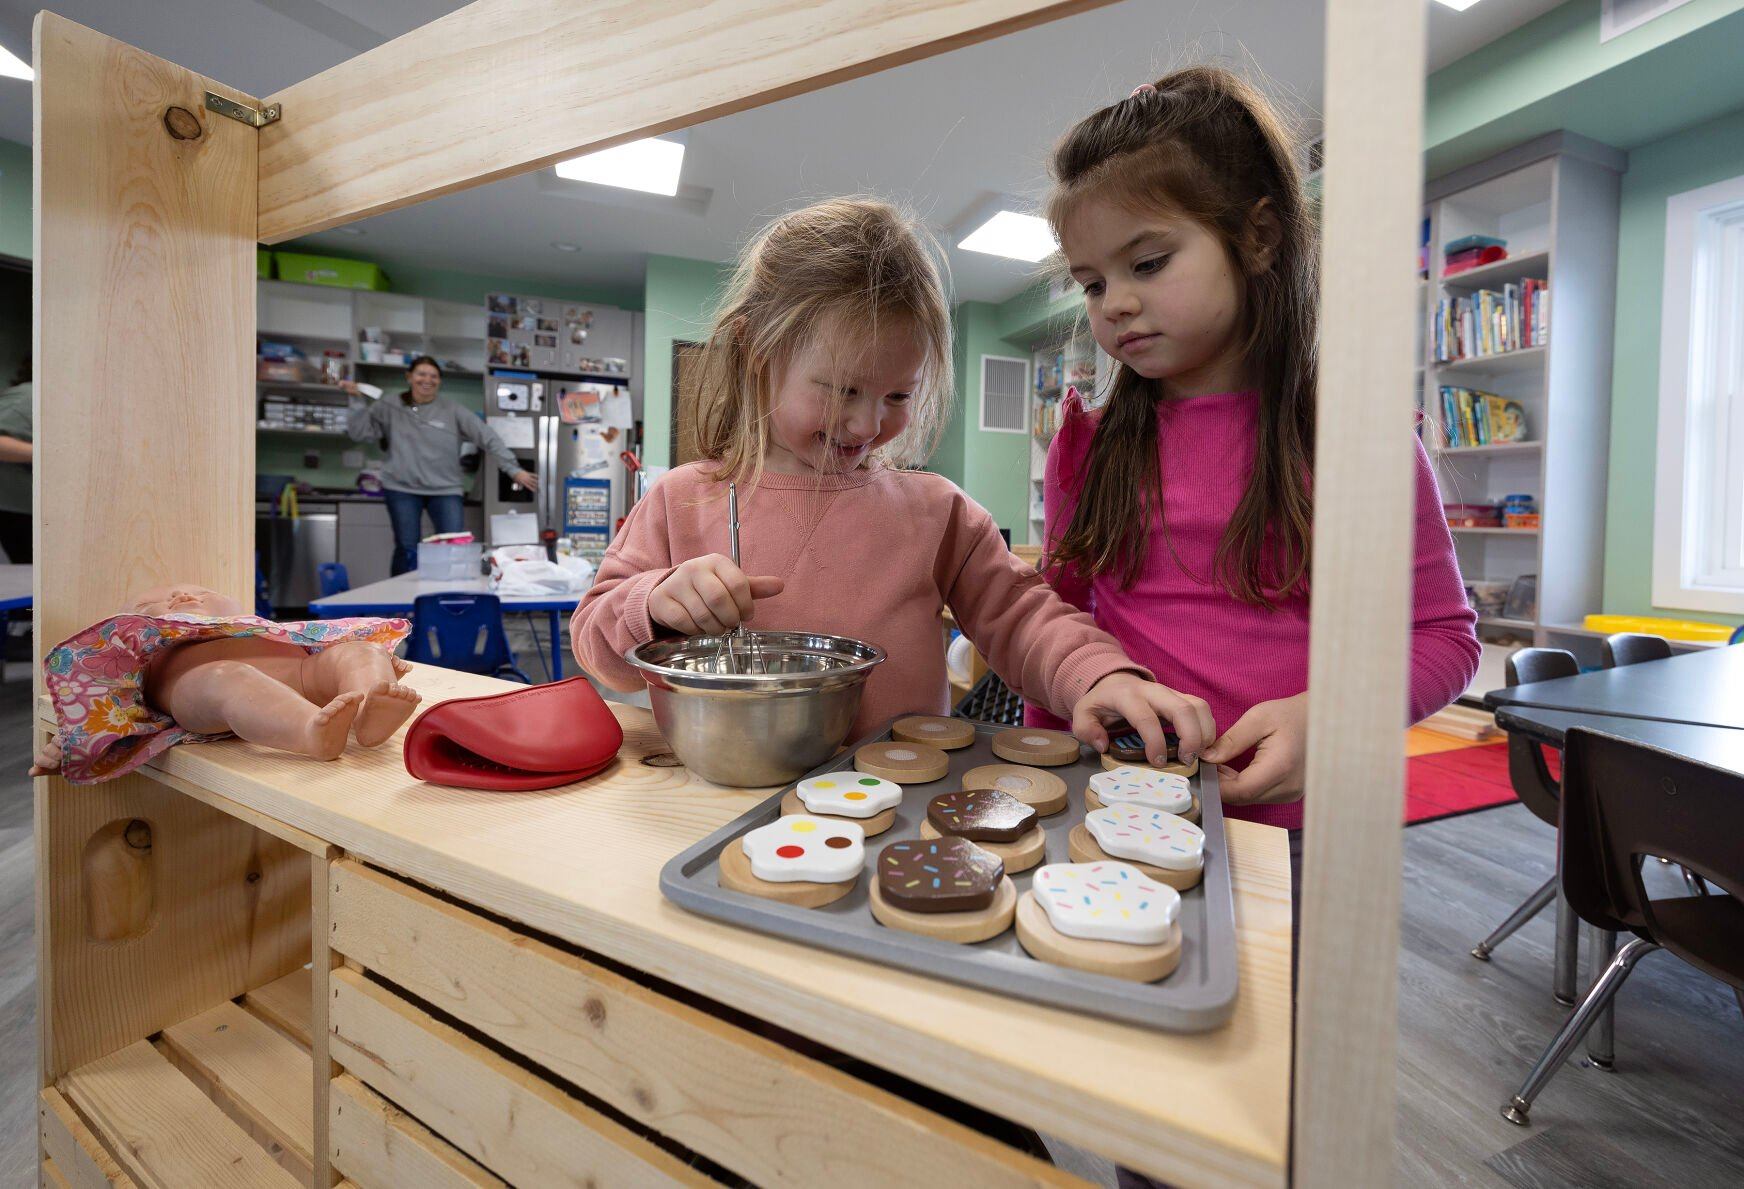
x=749 y=730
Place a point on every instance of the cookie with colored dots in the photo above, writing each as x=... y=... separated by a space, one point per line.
x=902 y=763
x=943 y=875
x=1162 y=845
x=1142 y=788
x=1043 y=791
x=946 y=734
x=798 y=859
x=1033 y=745
x=866 y=800
x=1103 y=918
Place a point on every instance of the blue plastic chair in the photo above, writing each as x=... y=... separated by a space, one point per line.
x=262 y=592
x=462 y=631
x=1737 y=634
x=334 y=579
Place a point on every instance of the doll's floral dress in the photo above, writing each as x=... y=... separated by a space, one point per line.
x=96 y=680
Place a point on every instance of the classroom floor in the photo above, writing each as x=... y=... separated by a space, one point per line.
x=1672 y=1114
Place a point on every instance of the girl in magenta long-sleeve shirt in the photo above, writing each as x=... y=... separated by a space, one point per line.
x=1178 y=512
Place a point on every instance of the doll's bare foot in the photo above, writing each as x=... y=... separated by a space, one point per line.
x=401 y=667
x=385 y=706
x=329 y=726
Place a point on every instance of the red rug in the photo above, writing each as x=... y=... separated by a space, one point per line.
x=1459 y=779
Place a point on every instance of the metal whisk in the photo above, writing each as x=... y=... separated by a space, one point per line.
x=738 y=651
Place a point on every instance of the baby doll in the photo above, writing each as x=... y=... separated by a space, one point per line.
x=185 y=663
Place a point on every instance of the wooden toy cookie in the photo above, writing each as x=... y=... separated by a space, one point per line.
x=946 y=888
x=1191 y=767
x=902 y=763
x=946 y=734
x=798 y=859
x=868 y=801
x=1032 y=745
x=1127 y=745
x=1104 y=918
x=994 y=821
x=1142 y=788
x=1042 y=790
x=1162 y=845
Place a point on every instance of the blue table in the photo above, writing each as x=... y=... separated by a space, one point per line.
x=395 y=596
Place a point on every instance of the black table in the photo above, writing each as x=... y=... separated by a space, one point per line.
x=1722 y=747
x=1700 y=688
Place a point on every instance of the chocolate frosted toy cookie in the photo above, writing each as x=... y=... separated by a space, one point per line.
x=995 y=821
x=944 y=888
x=947 y=734
x=1042 y=790
x=1128 y=748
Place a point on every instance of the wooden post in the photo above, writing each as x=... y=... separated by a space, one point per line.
x=1346 y=1015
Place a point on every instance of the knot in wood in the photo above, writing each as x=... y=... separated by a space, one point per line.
x=182 y=124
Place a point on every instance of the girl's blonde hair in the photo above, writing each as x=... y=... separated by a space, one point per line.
x=834 y=268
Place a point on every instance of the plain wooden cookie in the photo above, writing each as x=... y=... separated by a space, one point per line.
x=1017 y=856
x=1042 y=791
x=947 y=734
x=962 y=927
x=902 y=763
x=1092 y=801
x=876 y=824
x=1032 y=745
x=736 y=876
x=1190 y=768
x=1085 y=849
x=1117 y=959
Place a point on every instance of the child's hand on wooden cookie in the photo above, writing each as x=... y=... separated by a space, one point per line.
x=1145 y=705
x=1278 y=731
x=706 y=596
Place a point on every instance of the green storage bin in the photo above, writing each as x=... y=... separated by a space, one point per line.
x=263 y=264
x=330 y=270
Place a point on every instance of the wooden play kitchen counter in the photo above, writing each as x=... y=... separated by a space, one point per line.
x=504 y=994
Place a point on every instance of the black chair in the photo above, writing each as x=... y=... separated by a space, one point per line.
x=1632 y=648
x=1537 y=790
x=1621 y=802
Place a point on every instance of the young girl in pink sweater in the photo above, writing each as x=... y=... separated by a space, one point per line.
x=1178 y=513
x=827 y=371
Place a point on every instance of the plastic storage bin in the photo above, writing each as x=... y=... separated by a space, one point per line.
x=438 y=560
x=330 y=270
x=263 y=264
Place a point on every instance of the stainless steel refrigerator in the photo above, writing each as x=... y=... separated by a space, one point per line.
x=572 y=435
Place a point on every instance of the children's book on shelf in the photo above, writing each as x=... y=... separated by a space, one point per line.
x=1473 y=418
x=1492 y=322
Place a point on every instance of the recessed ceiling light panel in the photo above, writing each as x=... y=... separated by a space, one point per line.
x=1014 y=236
x=1457 y=5
x=651 y=166
x=12 y=66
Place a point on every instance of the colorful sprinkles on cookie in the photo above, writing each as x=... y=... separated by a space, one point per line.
x=1106 y=902
x=981 y=815
x=938 y=875
x=1143 y=788
x=1148 y=836
x=797 y=847
x=848 y=794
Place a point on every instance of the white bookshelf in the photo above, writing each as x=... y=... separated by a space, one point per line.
x=1554 y=199
x=1080 y=364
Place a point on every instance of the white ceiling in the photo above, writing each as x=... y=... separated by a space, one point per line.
x=941 y=135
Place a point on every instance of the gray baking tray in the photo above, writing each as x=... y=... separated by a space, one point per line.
x=1197 y=997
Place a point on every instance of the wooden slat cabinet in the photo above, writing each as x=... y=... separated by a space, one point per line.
x=521 y=1059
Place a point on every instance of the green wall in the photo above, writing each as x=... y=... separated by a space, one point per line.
x=15 y=232
x=678 y=304
x=994 y=467
x=1699 y=156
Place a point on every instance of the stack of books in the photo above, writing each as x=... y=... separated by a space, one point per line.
x=1493 y=323
x=1472 y=418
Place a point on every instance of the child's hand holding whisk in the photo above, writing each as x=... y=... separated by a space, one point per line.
x=707 y=596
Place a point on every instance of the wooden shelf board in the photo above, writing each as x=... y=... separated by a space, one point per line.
x=162 y=1130
x=1502 y=621
x=284 y=1003
x=1501 y=272
x=1492 y=448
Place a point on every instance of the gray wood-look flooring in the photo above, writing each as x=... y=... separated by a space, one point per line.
x=1672 y=1113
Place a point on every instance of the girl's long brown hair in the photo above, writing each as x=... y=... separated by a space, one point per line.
x=1206 y=146
x=835 y=268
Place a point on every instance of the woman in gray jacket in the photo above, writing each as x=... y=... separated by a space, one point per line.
x=422 y=433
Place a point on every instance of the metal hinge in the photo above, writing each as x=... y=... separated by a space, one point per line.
x=241 y=112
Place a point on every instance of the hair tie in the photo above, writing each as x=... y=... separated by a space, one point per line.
x=1141 y=89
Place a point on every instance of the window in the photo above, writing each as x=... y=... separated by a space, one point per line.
x=1698 y=540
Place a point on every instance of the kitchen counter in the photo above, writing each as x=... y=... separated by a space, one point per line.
x=567 y=880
